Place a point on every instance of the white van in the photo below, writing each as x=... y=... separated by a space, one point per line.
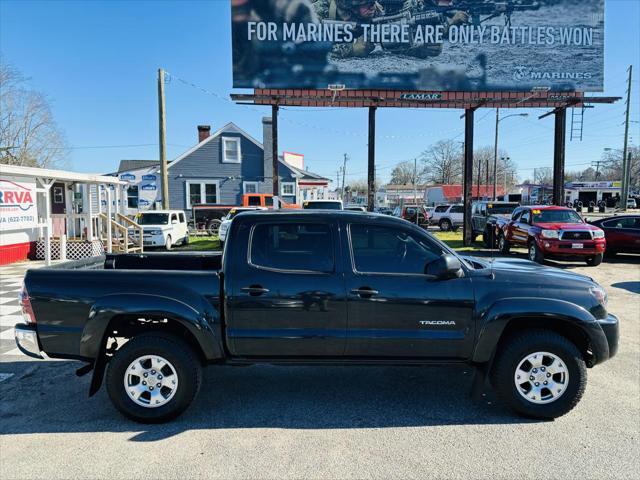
x=163 y=228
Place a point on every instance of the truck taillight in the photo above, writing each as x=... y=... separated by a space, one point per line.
x=27 y=310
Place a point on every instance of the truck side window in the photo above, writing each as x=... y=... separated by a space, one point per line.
x=515 y=215
x=526 y=217
x=253 y=200
x=441 y=208
x=292 y=247
x=377 y=249
x=182 y=220
x=457 y=209
x=483 y=209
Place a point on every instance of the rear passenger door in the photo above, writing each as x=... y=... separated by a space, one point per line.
x=287 y=295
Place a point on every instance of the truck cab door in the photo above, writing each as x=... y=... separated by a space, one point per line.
x=394 y=309
x=285 y=294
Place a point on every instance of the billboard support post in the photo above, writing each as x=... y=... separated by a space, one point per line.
x=468 y=174
x=558 y=155
x=371 y=167
x=274 y=154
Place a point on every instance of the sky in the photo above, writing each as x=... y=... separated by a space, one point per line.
x=97 y=62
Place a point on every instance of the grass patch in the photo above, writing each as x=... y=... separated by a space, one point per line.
x=454 y=240
x=201 y=244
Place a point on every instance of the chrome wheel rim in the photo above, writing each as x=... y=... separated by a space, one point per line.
x=541 y=377
x=151 y=381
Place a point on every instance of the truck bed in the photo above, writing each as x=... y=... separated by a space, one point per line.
x=210 y=261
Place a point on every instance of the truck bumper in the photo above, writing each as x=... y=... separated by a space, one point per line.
x=27 y=340
x=611 y=328
x=567 y=248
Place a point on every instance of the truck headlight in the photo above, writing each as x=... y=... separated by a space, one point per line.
x=155 y=232
x=549 y=233
x=599 y=294
x=598 y=234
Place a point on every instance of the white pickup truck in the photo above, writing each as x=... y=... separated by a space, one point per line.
x=163 y=228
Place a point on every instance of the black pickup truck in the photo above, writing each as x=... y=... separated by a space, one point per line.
x=319 y=287
x=485 y=215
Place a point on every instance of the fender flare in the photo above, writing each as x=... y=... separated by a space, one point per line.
x=494 y=321
x=200 y=321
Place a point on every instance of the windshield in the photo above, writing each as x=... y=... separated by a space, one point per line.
x=503 y=209
x=556 y=216
x=153 y=219
x=322 y=206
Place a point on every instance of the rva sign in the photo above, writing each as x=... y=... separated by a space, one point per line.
x=17 y=204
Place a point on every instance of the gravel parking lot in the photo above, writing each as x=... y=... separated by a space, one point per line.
x=331 y=422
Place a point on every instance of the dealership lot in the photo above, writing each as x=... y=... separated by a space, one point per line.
x=329 y=422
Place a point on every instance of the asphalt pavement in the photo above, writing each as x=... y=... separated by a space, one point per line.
x=331 y=422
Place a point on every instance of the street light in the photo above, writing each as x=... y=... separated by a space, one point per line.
x=495 y=147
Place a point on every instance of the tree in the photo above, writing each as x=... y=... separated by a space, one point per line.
x=403 y=174
x=442 y=162
x=613 y=168
x=29 y=136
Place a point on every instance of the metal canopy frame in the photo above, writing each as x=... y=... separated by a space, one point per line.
x=558 y=102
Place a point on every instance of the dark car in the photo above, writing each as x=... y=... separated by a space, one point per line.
x=319 y=288
x=484 y=217
x=622 y=233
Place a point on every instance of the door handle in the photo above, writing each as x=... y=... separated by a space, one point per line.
x=364 y=292
x=255 y=290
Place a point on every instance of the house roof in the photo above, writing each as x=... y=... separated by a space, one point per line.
x=127 y=165
x=232 y=127
x=304 y=174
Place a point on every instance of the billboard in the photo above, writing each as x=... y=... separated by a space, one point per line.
x=442 y=45
x=18 y=208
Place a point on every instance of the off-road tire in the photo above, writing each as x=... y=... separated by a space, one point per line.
x=168 y=245
x=445 y=224
x=517 y=347
x=173 y=349
x=594 y=260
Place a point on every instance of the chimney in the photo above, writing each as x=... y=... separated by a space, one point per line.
x=203 y=132
x=267 y=143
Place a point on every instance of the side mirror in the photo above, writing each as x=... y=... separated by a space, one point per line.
x=445 y=267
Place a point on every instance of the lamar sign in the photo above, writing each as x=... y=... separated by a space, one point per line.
x=17 y=204
x=441 y=45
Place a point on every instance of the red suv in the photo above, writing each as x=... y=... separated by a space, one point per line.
x=552 y=231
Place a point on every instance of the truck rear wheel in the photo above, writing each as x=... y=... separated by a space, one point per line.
x=445 y=225
x=153 y=378
x=539 y=374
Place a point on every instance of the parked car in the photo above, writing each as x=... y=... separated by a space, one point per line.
x=322 y=205
x=631 y=202
x=226 y=221
x=318 y=288
x=622 y=233
x=448 y=217
x=385 y=211
x=162 y=228
x=409 y=212
x=484 y=215
x=552 y=231
x=355 y=208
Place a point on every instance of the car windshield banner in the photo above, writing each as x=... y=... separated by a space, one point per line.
x=442 y=45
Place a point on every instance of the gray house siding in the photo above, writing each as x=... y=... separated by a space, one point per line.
x=204 y=164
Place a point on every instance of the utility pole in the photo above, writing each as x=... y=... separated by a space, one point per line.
x=626 y=158
x=344 y=174
x=415 y=188
x=162 y=141
x=495 y=157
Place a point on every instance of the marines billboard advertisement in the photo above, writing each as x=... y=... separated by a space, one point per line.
x=442 y=45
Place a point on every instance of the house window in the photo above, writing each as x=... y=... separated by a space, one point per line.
x=201 y=192
x=250 y=187
x=231 y=150
x=132 y=196
x=288 y=188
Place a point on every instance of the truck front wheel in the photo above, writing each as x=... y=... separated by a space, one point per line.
x=153 y=378
x=595 y=260
x=539 y=374
x=535 y=254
